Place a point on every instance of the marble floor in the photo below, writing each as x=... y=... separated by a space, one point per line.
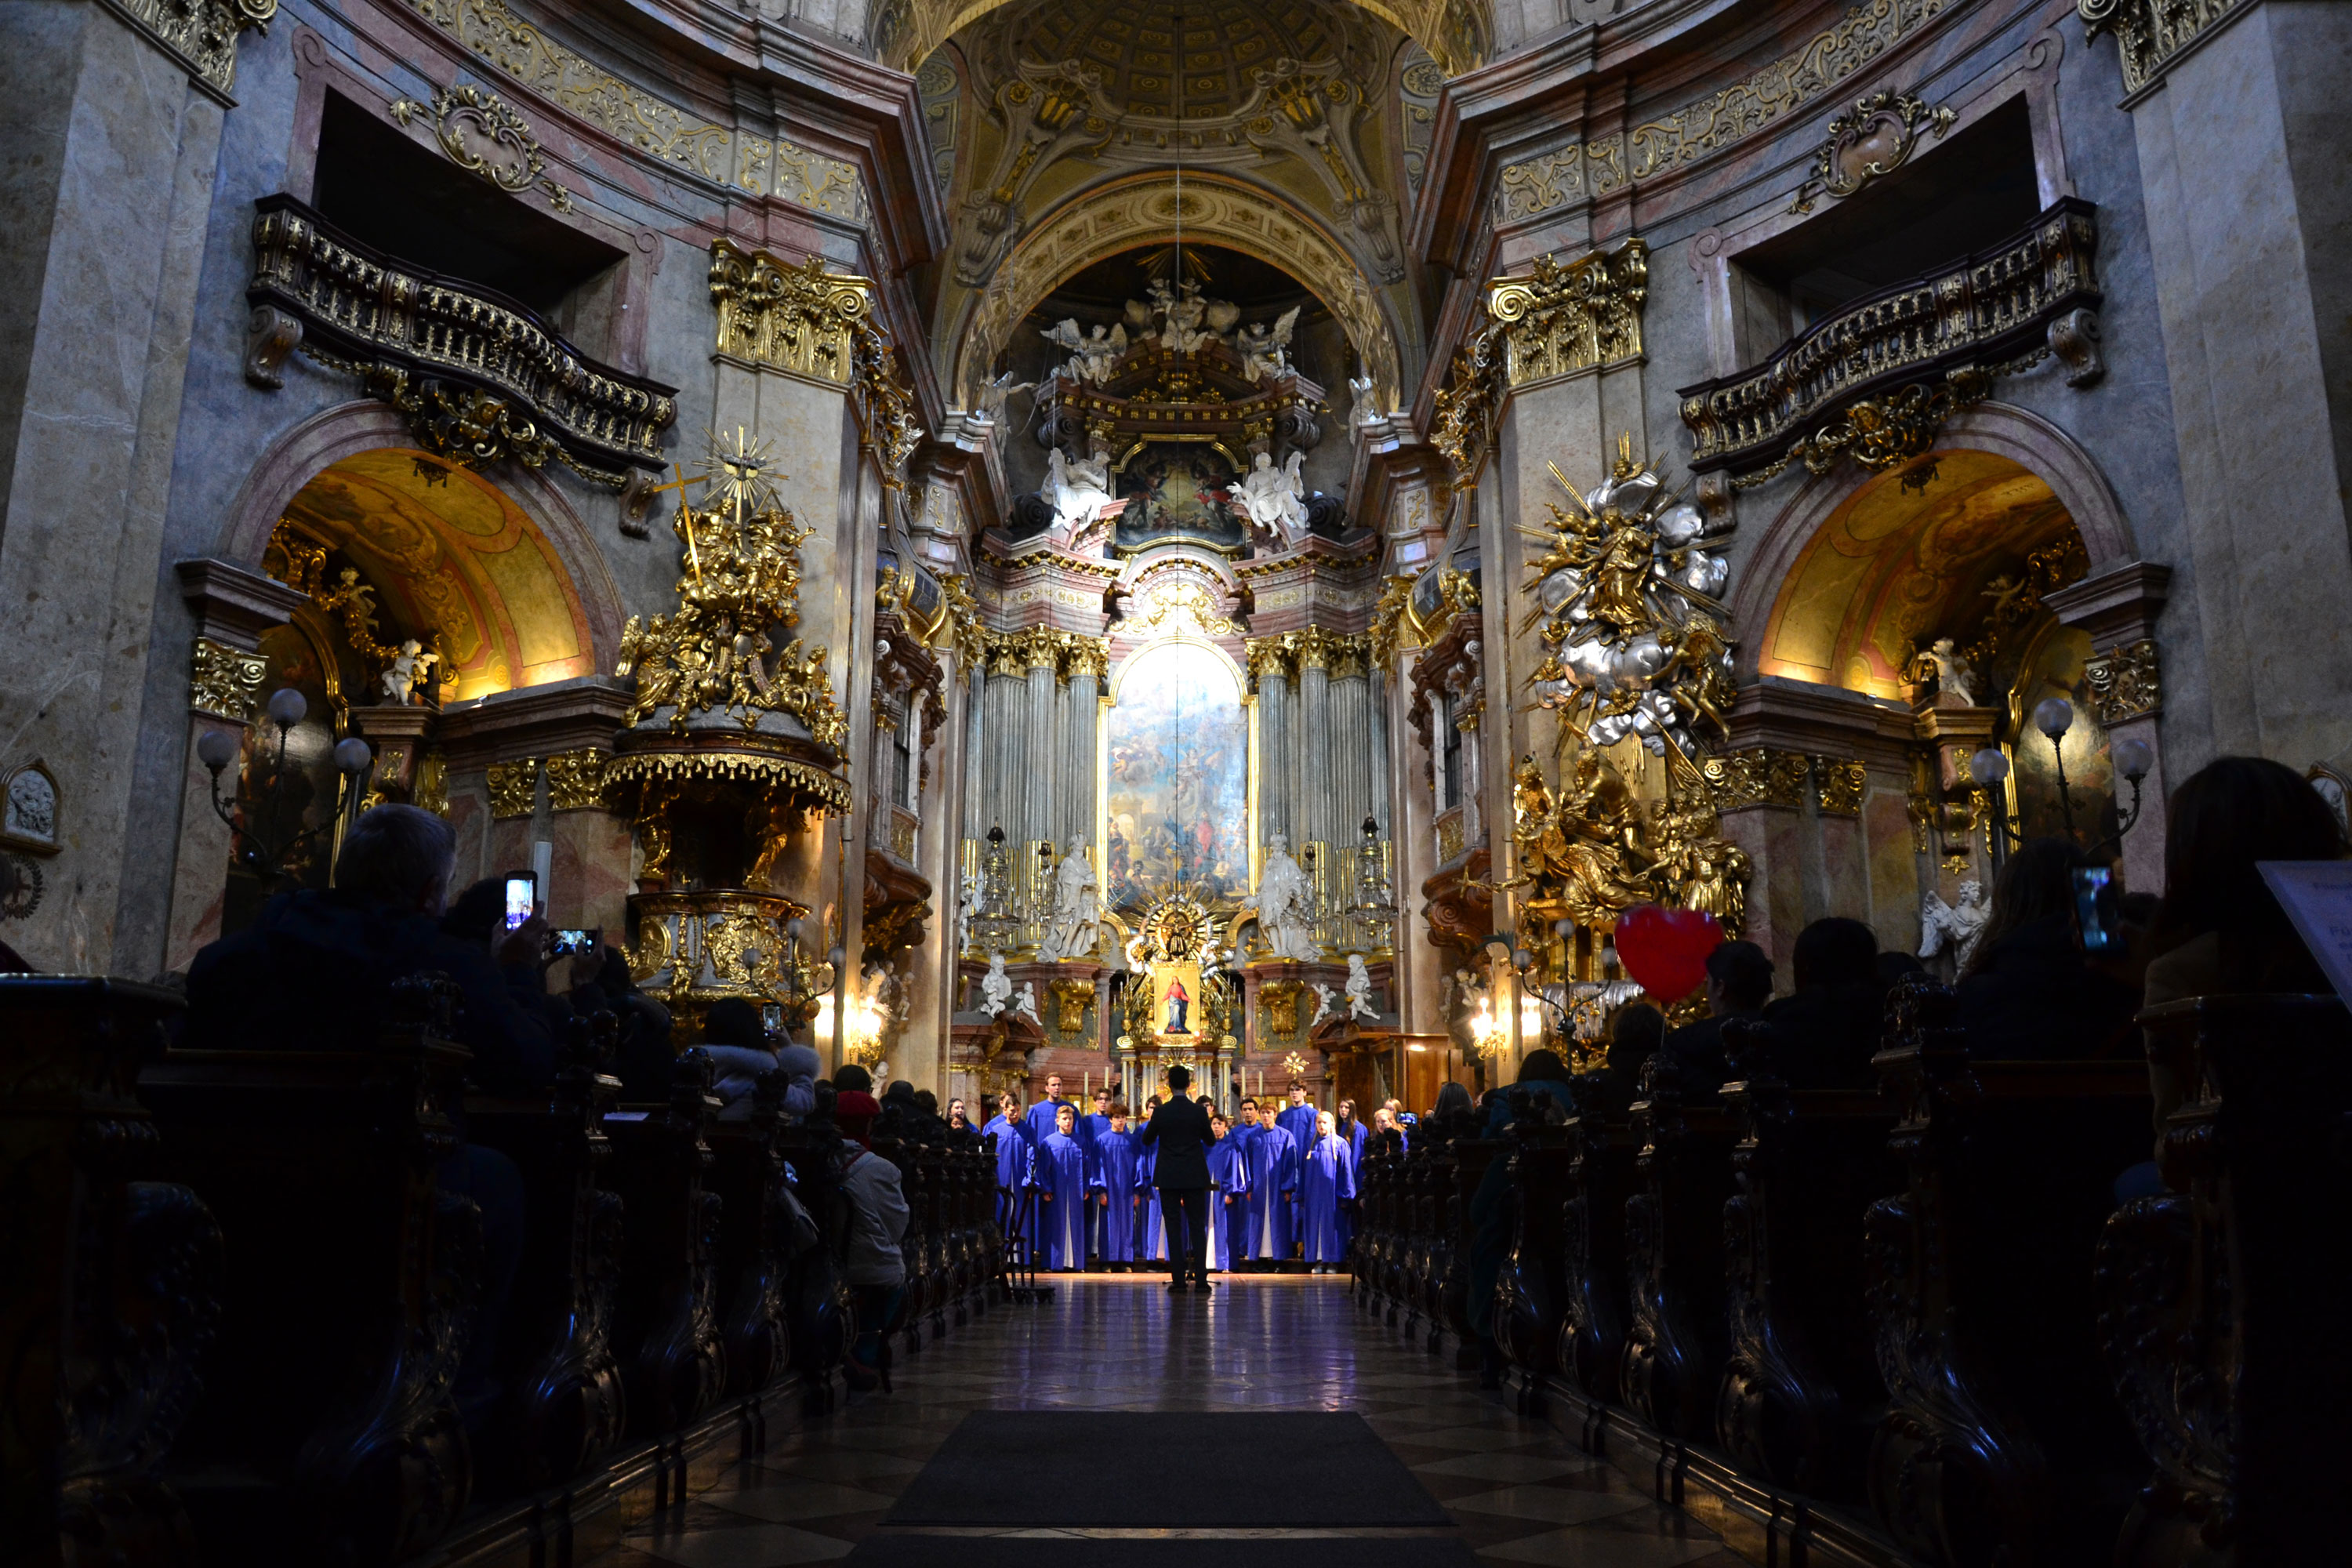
x=1517 y=1491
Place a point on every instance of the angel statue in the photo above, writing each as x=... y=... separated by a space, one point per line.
x=1093 y=355
x=1076 y=487
x=994 y=395
x=1025 y=1003
x=995 y=986
x=1359 y=989
x=1323 y=997
x=1941 y=662
x=1285 y=903
x=1275 y=497
x=1363 y=408
x=1074 y=929
x=1957 y=928
x=407 y=671
x=1264 y=347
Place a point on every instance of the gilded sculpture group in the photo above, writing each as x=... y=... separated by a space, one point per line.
x=1635 y=651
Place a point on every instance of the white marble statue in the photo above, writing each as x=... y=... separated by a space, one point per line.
x=1323 y=997
x=407 y=671
x=1359 y=989
x=1027 y=1003
x=995 y=986
x=968 y=902
x=1363 y=407
x=1180 y=312
x=1094 y=356
x=1076 y=487
x=1954 y=679
x=1264 y=347
x=1954 y=927
x=1275 y=499
x=1073 y=930
x=1285 y=903
x=993 y=395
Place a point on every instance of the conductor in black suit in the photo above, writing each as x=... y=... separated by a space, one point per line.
x=1181 y=1129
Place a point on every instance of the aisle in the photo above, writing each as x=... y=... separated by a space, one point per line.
x=1514 y=1490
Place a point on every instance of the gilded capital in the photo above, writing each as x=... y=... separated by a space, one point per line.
x=1268 y=656
x=514 y=788
x=1561 y=318
x=225 y=681
x=2125 y=682
x=575 y=780
x=1838 y=786
x=1759 y=775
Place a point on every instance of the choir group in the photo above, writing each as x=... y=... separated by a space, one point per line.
x=1078 y=1185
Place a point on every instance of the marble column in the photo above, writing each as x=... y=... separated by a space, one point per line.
x=1376 y=707
x=1036 y=787
x=1351 y=739
x=1008 y=744
x=975 y=737
x=1274 y=744
x=1314 y=746
x=1082 y=699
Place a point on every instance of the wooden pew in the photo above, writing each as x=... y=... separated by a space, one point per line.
x=1594 y=1286
x=111 y=1292
x=2224 y=1312
x=327 y=1431
x=1800 y=1394
x=1676 y=1339
x=566 y=1404
x=823 y=1309
x=748 y=1174
x=666 y=1331
x=2001 y=1440
x=1532 y=1287
x=1458 y=1178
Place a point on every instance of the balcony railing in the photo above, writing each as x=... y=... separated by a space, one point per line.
x=2029 y=295
x=480 y=376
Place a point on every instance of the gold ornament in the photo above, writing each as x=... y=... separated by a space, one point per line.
x=742 y=582
x=575 y=780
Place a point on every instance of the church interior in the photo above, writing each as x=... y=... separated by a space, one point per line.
x=930 y=782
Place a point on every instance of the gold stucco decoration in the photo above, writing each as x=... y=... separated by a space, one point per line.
x=575 y=780
x=514 y=788
x=1561 y=318
x=225 y=681
x=483 y=135
x=2125 y=681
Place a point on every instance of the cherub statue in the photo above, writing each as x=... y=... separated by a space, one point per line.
x=1323 y=997
x=995 y=986
x=1264 y=347
x=1360 y=988
x=1362 y=409
x=407 y=671
x=994 y=395
x=1957 y=928
x=1025 y=1003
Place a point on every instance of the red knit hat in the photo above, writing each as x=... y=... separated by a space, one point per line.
x=853 y=1112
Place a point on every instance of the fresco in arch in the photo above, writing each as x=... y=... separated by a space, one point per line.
x=1178 y=788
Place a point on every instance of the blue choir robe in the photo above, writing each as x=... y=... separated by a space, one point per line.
x=1356 y=1135
x=1229 y=1175
x=1012 y=1167
x=1274 y=1180
x=1090 y=1130
x=1327 y=1176
x=1150 y=1235
x=1112 y=1176
x=1057 y=1170
x=1301 y=1122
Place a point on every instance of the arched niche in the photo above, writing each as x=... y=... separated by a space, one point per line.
x=1177 y=771
x=517 y=569
x=1123 y=214
x=1458 y=34
x=1962 y=545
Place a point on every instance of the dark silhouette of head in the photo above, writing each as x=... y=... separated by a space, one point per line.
x=1835 y=952
x=1179 y=1078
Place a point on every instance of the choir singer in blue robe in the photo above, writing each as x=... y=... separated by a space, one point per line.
x=1297 y=1119
x=1113 y=1181
x=1229 y=1174
x=1057 y=1171
x=1326 y=1178
x=1091 y=1127
x=1274 y=1189
x=1012 y=1159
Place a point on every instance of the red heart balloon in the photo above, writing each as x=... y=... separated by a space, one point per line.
x=1665 y=950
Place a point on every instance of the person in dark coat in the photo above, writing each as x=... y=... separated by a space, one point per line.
x=1739 y=985
x=2029 y=995
x=1179 y=1135
x=1827 y=1031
